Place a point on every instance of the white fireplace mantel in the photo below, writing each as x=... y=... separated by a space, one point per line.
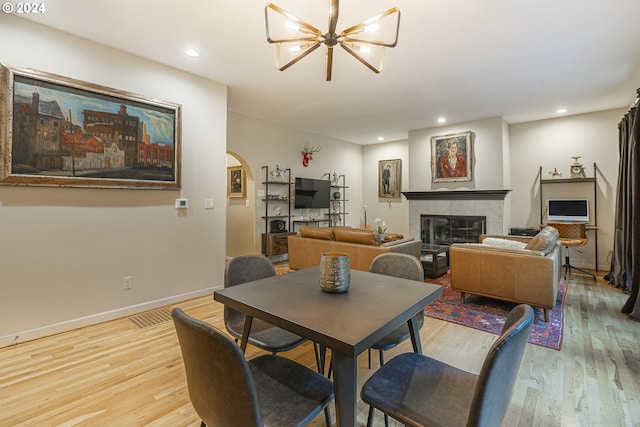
x=487 y=203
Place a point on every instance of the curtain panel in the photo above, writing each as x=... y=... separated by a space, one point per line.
x=625 y=263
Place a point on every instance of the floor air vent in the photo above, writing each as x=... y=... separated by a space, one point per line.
x=150 y=318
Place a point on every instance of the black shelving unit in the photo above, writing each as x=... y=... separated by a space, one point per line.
x=284 y=202
x=337 y=214
x=276 y=243
x=594 y=225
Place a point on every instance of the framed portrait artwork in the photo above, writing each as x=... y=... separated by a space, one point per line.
x=389 y=179
x=236 y=181
x=69 y=133
x=451 y=157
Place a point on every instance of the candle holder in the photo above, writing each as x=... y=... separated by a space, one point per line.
x=335 y=275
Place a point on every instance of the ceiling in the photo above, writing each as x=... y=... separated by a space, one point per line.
x=461 y=59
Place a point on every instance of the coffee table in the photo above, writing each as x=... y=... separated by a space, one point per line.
x=434 y=259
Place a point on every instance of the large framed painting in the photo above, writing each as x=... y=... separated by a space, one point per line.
x=69 y=133
x=451 y=157
x=389 y=179
x=236 y=181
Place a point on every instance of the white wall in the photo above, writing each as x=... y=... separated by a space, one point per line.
x=488 y=156
x=551 y=144
x=261 y=143
x=396 y=214
x=65 y=251
x=509 y=156
x=240 y=215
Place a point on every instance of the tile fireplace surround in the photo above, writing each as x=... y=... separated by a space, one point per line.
x=487 y=203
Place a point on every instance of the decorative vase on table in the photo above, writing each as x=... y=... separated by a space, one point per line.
x=335 y=275
x=379 y=237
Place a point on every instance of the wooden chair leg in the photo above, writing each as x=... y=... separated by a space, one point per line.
x=547 y=315
x=462 y=297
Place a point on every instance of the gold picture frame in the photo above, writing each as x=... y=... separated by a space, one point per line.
x=64 y=132
x=452 y=157
x=390 y=179
x=236 y=181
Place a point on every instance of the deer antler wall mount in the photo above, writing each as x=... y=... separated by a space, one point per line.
x=307 y=153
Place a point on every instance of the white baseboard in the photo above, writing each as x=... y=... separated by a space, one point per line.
x=68 y=325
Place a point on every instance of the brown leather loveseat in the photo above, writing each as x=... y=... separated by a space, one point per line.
x=527 y=275
x=306 y=248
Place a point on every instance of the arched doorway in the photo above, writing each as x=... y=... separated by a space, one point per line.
x=241 y=212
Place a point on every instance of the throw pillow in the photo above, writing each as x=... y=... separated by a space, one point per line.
x=503 y=243
x=544 y=241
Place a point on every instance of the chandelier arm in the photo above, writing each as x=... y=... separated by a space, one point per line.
x=358 y=28
x=333 y=15
x=369 y=42
x=329 y=63
x=298 y=39
x=298 y=58
x=363 y=61
x=306 y=26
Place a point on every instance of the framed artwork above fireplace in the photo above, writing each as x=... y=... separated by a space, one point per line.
x=451 y=157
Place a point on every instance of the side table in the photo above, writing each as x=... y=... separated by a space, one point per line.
x=434 y=259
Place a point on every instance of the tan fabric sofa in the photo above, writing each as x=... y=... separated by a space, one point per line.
x=306 y=248
x=529 y=275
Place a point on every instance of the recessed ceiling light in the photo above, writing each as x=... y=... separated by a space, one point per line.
x=381 y=138
x=192 y=53
x=442 y=120
x=561 y=110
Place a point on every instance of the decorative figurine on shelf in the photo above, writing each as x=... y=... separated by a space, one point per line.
x=278 y=173
x=335 y=179
x=555 y=174
x=307 y=153
x=577 y=170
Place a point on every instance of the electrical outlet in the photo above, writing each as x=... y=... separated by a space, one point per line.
x=126 y=284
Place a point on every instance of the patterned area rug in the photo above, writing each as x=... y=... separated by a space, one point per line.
x=488 y=315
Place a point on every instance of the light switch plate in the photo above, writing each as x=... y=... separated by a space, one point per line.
x=182 y=203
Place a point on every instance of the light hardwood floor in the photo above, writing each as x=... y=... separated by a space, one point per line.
x=119 y=374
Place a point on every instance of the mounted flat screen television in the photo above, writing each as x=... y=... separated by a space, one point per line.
x=573 y=210
x=312 y=193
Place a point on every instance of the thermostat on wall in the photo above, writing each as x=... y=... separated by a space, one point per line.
x=182 y=203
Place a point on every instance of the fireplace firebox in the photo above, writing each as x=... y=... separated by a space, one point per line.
x=448 y=229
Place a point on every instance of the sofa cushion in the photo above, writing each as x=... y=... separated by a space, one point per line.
x=544 y=241
x=325 y=233
x=355 y=235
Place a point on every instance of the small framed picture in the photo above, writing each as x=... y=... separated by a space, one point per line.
x=451 y=157
x=236 y=181
x=389 y=179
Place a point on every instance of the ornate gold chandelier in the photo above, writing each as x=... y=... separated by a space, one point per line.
x=366 y=41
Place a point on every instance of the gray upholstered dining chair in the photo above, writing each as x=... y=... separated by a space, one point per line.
x=406 y=267
x=226 y=390
x=247 y=268
x=417 y=390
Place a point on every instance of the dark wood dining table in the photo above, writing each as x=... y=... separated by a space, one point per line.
x=346 y=323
